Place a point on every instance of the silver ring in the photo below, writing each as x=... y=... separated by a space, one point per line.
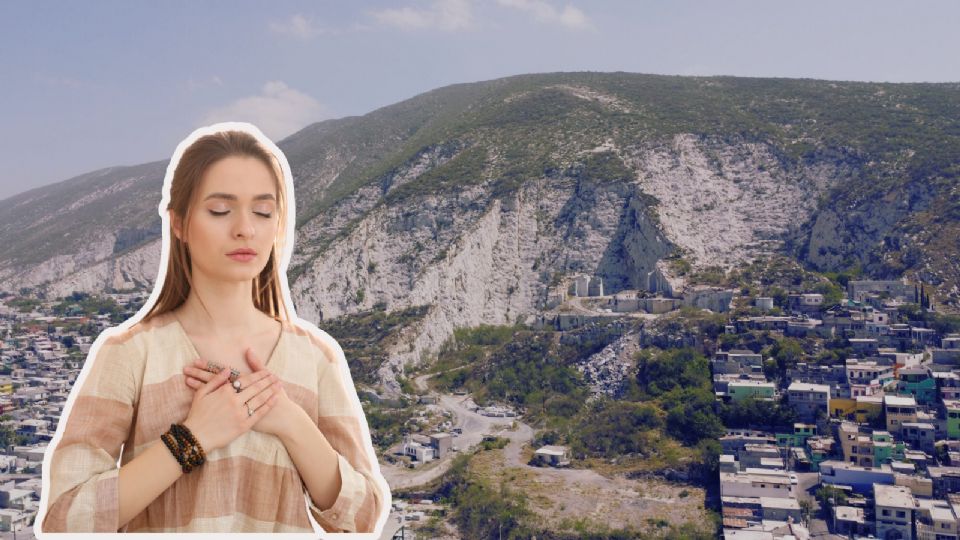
x=236 y=385
x=249 y=410
x=234 y=374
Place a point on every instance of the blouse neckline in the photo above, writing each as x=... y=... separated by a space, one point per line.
x=196 y=352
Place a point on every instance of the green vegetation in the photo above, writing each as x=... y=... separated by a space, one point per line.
x=825 y=493
x=752 y=413
x=659 y=372
x=365 y=336
x=23 y=305
x=525 y=368
x=386 y=425
x=616 y=428
x=481 y=510
x=80 y=303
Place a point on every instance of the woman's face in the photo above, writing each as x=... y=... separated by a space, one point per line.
x=236 y=209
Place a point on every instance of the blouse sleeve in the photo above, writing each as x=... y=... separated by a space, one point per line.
x=364 y=493
x=83 y=468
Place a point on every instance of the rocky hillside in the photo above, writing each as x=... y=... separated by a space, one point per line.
x=473 y=200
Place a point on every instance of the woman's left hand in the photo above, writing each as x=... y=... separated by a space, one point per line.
x=276 y=422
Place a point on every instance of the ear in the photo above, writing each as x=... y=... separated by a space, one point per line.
x=177 y=225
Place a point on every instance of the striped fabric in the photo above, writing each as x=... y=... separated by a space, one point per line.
x=135 y=389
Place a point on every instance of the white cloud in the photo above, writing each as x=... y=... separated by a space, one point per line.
x=278 y=111
x=447 y=15
x=297 y=26
x=544 y=12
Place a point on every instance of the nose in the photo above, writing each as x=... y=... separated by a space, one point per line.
x=243 y=226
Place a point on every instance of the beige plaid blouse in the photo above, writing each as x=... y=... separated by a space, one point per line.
x=135 y=389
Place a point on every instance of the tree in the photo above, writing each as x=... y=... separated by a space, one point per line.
x=690 y=415
x=827 y=493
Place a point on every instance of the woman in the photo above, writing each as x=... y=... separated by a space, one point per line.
x=225 y=414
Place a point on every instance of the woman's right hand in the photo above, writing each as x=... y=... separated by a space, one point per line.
x=218 y=414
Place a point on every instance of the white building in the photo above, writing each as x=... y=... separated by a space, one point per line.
x=755 y=485
x=894 y=507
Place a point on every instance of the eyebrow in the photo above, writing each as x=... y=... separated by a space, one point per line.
x=231 y=197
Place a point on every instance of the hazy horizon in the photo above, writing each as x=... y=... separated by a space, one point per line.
x=87 y=80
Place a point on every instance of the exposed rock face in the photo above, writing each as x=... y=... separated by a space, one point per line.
x=477 y=260
x=477 y=200
x=724 y=204
x=606 y=370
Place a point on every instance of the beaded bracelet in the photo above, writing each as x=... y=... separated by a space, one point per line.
x=184 y=447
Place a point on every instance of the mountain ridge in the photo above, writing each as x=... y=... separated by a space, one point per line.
x=478 y=199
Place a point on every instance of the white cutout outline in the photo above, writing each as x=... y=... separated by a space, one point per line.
x=322 y=336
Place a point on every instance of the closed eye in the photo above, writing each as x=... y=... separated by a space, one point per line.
x=218 y=214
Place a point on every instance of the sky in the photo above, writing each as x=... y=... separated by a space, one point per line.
x=88 y=85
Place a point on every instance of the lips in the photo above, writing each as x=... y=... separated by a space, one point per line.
x=242 y=251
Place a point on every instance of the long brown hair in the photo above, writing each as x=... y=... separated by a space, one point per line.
x=184 y=189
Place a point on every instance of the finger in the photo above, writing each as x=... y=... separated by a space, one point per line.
x=256 y=401
x=262 y=411
x=194 y=383
x=201 y=374
x=214 y=383
x=265 y=380
x=248 y=380
x=252 y=360
x=200 y=363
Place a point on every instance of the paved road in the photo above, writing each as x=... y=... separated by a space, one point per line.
x=474 y=427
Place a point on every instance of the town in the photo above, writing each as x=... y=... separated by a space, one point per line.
x=872 y=449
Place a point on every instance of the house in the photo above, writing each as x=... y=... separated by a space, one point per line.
x=743 y=389
x=780 y=508
x=901 y=290
x=859 y=479
x=418 y=447
x=763 y=456
x=918 y=382
x=801 y=432
x=737 y=361
x=894 y=507
x=763 y=302
x=555 y=456
x=806 y=399
x=441 y=444
x=936 y=519
x=14 y=497
x=949 y=351
x=808 y=327
x=736 y=440
x=868 y=449
x=865 y=346
x=945 y=479
x=805 y=302
x=952 y=408
x=753 y=484
x=899 y=409
x=948 y=385
x=12 y=519
x=867 y=377
x=850 y=521
x=920 y=435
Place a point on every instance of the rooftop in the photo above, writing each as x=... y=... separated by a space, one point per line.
x=808 y=387
x=780 y=502
x=900 y=401
x=893 y=496
x=850 y=513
